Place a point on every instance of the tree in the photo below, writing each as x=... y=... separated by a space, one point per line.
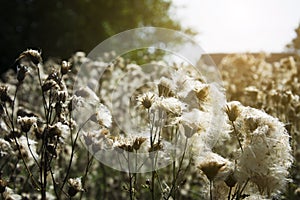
x=295 y=43
x=61 y=27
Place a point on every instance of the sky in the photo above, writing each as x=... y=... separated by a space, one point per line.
x=240 y=25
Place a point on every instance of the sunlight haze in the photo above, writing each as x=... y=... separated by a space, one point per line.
x=240 y=25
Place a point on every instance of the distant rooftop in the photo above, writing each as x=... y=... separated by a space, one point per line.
x=270 y=57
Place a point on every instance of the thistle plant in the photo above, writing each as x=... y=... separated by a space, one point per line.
x=64 y=137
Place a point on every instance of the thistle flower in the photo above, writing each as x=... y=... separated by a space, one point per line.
x=3 y=185
x=4 y=97
x=21 y=72
x=232 y=110
x=211 y=169
x=165 y=88
x=75 y=186
x=169 y=105
x=49 y=84
x=26 y=122
x=147 y=99
x=29 y=57
x=58 y=129
x=130 y=143
x=61 y=96
x=138 y=142
x=65 y=67
x=10 y=195
x=231 y=180
x=5 y=147
x=202 y=92
x=267 y=153
x=213 y=165
x=194 y=121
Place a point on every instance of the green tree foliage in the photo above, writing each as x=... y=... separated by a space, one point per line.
x=60 y=27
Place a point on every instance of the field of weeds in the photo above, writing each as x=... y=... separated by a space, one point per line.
x=179 y=137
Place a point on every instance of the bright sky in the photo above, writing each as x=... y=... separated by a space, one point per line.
x=240 y=25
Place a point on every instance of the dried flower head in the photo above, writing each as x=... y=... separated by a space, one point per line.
x=4 y=97
x=65 y=67
x=165 y=88
x=231 y=180
x=49 y=84
x=156 y=147
x=29 y=57
x=202 y=92
x=267 y=153
x=169 y=105
x=211 y=168
x=138 y=142
x=147 y=99
x=3 y=185
x=193 y=121
x=21 y=72
x=213 y=165
x=9 y=194
x=75 y=186
x=26 y=122
x=125 y=147
x=232 y=110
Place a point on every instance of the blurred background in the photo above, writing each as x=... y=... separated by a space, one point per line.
x=61 y=27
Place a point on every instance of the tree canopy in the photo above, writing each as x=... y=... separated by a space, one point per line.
x=61 y=27
x=294 y=45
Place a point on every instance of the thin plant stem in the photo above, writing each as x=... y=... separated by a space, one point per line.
x=34 y=158
x=129 y=175
x=210 y=189
x=229 y=193
x=54 y=183
x=43 y=95
x=84 y=178
x=179 y=169
x=243 y=188
x=15 y=139
x=237 y=137
x=152 y=138
x=72 y=154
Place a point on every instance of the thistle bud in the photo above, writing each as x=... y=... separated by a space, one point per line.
x=232 y=110
x=230 y=180
x=21 y=72
x=48 y=85
x=3 y=185
x=51 y=149
x=4 y=94
x=138 y=142
x=75 y=186
x=148 y=181
x=30 y=57
x=26 y=122
x=202 y=93
x=211 y=169
x=65 y=67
